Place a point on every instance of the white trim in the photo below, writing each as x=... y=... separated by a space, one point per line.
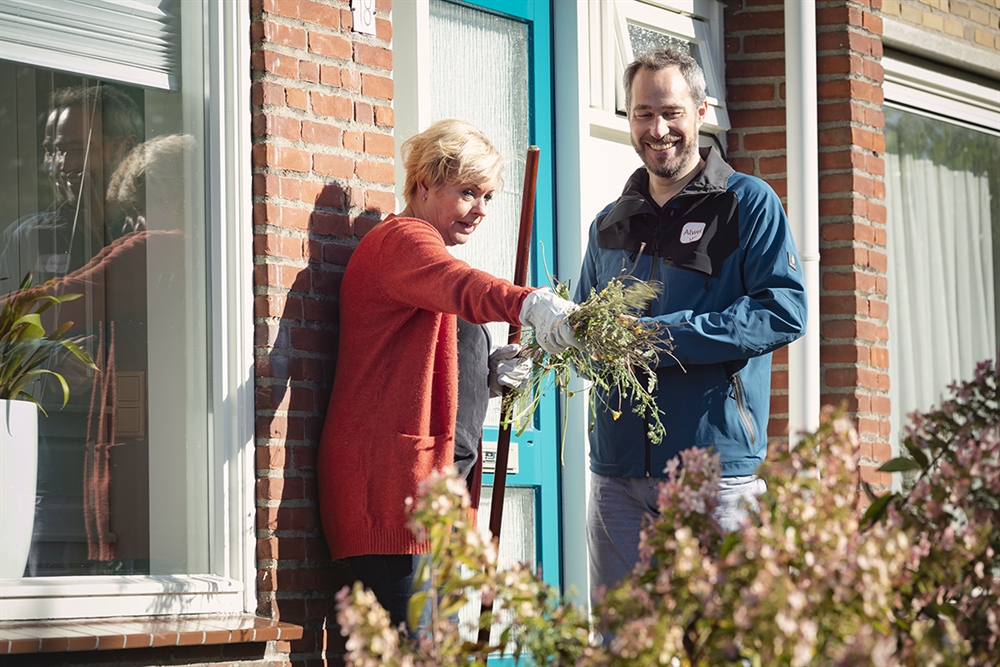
x=97 y=597
x=922 y=87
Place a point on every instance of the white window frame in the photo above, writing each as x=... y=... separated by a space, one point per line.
x=230 y=588
x=695 y=21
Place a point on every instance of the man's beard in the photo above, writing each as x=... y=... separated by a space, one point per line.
x=672 y=167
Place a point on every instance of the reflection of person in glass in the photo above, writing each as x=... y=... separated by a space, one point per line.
x=88 y=131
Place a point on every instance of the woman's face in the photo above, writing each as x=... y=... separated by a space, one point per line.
x=456 y=210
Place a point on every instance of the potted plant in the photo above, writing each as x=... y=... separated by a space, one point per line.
x=26 y=352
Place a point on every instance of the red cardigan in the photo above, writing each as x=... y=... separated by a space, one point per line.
x=391 y=418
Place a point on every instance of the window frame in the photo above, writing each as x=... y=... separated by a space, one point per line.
x=229 y=589
x=696 y=21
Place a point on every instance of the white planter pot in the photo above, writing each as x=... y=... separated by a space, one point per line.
x=18 y=476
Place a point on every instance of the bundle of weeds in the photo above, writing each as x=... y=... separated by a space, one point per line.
x=618 y=353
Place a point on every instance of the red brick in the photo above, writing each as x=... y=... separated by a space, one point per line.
x=288 y=158
x=333 y=46
x=844 y=256
x=756 y=43
x=364 y=224
x=877 y=213
x=872 y=23
x=836 y=183
x=770 y=117
x=376 y=172
x=843 y=304
x=756 y=92
x=384 y=115
x=337 y=253
x=335 y=106
x=845 y=354
x=375 y=56
x=847 y=231
x=383 y=202
x=752 y=69
x=268 y=305
x=377 y=143
x=355 y=197
x=840 y=63
x=285 y=8
x=328 y=195
x=333 y=165
x=331 y=224
x=269 y=488
x=851 y=377
x=354 y=140
x=270 y=457
x=296 y=98
x=878 y=261
x=840 y=160
x=763 y=141
x=321 y=133
x=773 y=165
x=383 y=30
x=309 y=71
x=273 y=125
x=364 y=113
x=848 y=281
x=285 y=35
x=265 y=93
x=276 y=245
x=315 y=12
x=350 y=80
x=376 y=86
x=330 y=75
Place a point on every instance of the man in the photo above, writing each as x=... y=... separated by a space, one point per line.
x=732 y=293
x=92 y=129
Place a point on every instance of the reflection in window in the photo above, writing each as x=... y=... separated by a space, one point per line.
x=943 y=246
x=100 y=185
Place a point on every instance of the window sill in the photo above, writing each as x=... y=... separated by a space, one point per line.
x=106 y=634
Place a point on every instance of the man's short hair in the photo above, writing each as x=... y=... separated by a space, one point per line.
x=119 y=113
x=657 y=59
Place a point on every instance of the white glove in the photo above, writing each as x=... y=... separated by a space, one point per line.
x=549 y=315
x=508 y=370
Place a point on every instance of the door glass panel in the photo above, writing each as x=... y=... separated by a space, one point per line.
x=517 y=545
x=479 y=74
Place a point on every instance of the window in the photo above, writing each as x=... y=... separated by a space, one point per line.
x=622 y=29
x=942 y=230
x=120 y=182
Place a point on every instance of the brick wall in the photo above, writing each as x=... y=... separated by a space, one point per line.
x=322 y=176
x=853 y=308
x=853 y=312
x=755 y=99
x=974 y=21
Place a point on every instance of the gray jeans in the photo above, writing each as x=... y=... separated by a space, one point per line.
x=617 y=507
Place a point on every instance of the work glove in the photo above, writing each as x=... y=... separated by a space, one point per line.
x=549 y=314
x=508 y=370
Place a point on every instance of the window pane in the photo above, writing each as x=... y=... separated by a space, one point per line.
x=943 y=241
x=488 y=87
x=101 y=191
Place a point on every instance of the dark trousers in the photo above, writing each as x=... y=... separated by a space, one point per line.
x=390 y=578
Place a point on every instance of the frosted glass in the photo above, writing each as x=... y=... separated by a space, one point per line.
x=479 y=74
x=517 y=546
x=643 y=39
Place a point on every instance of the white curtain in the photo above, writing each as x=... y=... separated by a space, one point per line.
x=941 y=274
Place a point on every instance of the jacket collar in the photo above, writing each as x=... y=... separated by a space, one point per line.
x=634 y=200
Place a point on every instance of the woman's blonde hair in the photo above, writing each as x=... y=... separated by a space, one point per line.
x=449 y=152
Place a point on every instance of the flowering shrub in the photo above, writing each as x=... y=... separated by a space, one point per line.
x=811 y=578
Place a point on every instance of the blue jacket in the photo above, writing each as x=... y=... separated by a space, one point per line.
x=732 y=294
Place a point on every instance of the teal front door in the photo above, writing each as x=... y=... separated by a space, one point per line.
x=488 y=62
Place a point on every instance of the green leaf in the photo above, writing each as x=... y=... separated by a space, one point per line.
x=877 y=510
x=416 y=608
x=917 y=453
x=901 y=464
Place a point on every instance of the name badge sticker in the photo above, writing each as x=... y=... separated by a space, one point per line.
x=692 y=231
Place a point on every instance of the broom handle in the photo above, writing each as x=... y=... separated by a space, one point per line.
x=520 y=279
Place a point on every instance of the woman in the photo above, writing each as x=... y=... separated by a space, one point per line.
x=391 y=418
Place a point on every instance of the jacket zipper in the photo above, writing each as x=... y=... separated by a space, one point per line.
x=739 y=393
x=645 y=419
